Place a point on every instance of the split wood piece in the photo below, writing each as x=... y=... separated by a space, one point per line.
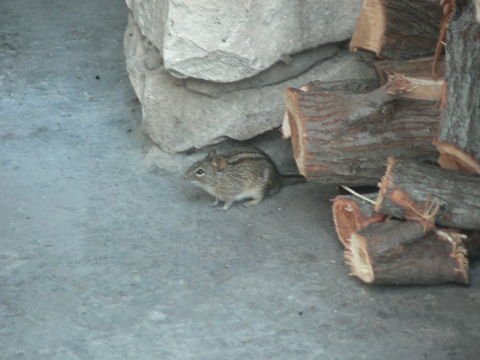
x=342 y=133
x=397 y=29
x=460 y=124
x=418 y=73
x=351 y=214
x=427 y=193
x=401 y=253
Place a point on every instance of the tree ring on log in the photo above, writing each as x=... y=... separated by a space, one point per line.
x=351 y=214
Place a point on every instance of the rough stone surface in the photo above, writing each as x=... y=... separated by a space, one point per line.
x=230 y=40
x=281 y=71
x=178 y=120
x=151 y=18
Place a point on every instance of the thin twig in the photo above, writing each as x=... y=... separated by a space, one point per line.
x=357 y=194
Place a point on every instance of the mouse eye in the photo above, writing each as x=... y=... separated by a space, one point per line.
x=199 y=172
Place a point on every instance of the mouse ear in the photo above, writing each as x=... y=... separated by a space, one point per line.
x=212 y=153
x=218 y=163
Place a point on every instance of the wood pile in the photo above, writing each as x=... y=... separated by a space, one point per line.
x=415 y=133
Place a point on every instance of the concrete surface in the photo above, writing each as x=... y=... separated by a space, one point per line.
x=100 y=260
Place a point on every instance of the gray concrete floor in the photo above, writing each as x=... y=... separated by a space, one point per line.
x=100 y=260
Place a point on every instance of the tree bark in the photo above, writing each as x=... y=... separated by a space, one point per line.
x=342 y=133
x=418 y=73
x=427 y=193
x=397 y=29
x=351 y=214
x=460 y=123
x=401 y=253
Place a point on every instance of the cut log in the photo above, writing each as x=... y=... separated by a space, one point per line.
x=401 y=253
x=351 y=214
x=397 y=29
x=416 y=191
x=418 y=73
x=342 y=133
x=460 y=123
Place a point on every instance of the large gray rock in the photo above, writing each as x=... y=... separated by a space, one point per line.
x=230 y=40
x=178 y=120
x=283 y=70
x=151 y=18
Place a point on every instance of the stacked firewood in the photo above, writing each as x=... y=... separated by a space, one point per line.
x=415 y=133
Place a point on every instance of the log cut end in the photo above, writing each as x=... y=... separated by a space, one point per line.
x=370 y=28
x=351 y=214
x=357 y=258
x=286 y=131
x=454 y=158
x=295 y=128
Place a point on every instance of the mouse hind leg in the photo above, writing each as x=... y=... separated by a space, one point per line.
x=252 y=202
x=255 y=195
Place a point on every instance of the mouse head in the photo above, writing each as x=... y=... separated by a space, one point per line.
x=205 y=169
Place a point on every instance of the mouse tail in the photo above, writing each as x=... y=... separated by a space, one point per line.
x=288 y=180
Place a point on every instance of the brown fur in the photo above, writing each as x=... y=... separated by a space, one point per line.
x=244 y=173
